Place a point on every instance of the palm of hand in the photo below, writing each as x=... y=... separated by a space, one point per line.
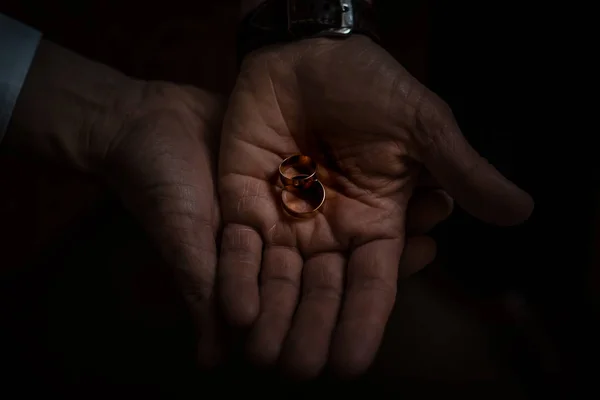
x=352 y=108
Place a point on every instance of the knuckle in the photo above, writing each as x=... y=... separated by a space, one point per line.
x=384 y=289
x=239 y=239
x=433 y=118
x=284 y=280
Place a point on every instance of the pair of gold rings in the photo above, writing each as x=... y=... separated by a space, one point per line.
x=303 y=194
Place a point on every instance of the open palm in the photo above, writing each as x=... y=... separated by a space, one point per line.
x=327 y=284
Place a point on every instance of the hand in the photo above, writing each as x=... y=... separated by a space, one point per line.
x=321 y=290
x=163 y=164
x=154 y=142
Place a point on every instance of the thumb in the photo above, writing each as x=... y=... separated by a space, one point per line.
x=469 y=178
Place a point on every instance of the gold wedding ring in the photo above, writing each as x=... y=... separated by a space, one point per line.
x=298 y=171
x=303 y=194
x=303 y=203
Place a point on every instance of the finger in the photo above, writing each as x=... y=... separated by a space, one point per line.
x=370 y=294
x=195 y=260
x=419 y=252
x=239 y=266
x=307 y=347
x=426 y=209
x=470 y=179
x=280 y=287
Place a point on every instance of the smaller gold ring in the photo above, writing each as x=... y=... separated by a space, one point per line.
x=298 y=171
x=314 y=196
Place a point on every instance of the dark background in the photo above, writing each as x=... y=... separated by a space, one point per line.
x=88 y=310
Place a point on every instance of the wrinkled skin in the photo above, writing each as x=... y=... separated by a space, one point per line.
x=162 y=162
x=319 y=291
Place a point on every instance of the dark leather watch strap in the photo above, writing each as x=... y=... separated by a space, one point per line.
x=279 y=21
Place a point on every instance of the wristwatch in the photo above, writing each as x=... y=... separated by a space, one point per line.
x=280 y=21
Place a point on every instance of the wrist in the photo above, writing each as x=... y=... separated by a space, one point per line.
x=70 y=108
x=281 y=21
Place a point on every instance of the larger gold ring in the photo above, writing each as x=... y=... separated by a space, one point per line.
x=298 y=171
x=303 y=203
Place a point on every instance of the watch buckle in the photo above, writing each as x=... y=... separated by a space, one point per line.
x=347 y=19
x=346 y=16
